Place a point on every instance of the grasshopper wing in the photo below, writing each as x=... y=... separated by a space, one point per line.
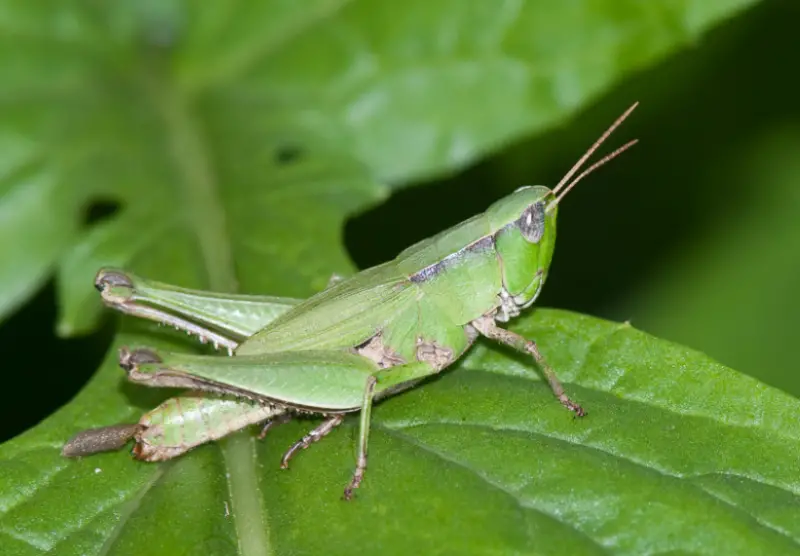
x=342 y=316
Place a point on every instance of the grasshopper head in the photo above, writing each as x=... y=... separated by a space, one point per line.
x=525 y=224
x=524 y=242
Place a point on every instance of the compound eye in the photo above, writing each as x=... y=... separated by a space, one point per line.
x=531 y=223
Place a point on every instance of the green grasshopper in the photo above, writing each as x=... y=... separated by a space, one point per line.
x=361 y=339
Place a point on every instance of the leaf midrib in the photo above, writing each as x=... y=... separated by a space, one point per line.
x=198 y=188
x=197 y=183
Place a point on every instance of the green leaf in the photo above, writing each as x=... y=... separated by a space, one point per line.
x=678 y=454
x=235 y=139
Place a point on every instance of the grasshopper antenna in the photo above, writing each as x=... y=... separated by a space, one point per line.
x=589 y=170
x=565 y=181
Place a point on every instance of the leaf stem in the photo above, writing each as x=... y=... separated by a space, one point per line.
x=252 y=527
x=200 y=193
x=203 y=206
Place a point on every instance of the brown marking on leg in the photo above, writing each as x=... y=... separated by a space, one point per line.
x=435 y=355
x=375 y=350
x=314 y=436
x=487 y=326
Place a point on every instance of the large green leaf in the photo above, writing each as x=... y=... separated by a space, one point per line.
x=242 y=132
x=236 y=138
x=677 y=455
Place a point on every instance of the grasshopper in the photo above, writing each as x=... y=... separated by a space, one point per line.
x=360 y=340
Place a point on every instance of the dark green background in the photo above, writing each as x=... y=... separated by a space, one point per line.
x=694 y=235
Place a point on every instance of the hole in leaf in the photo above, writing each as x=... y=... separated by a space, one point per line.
x=100 y=209
x=287 y=154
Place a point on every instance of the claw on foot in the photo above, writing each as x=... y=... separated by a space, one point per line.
x=572 y=406
x=358 y=475
x=579 y=411
x=348 y=492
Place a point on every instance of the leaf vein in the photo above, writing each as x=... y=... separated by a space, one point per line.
x=684 y=478
x=448 y=459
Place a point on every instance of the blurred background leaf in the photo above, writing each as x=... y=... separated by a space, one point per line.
x=738 y=281
x=169 y=136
